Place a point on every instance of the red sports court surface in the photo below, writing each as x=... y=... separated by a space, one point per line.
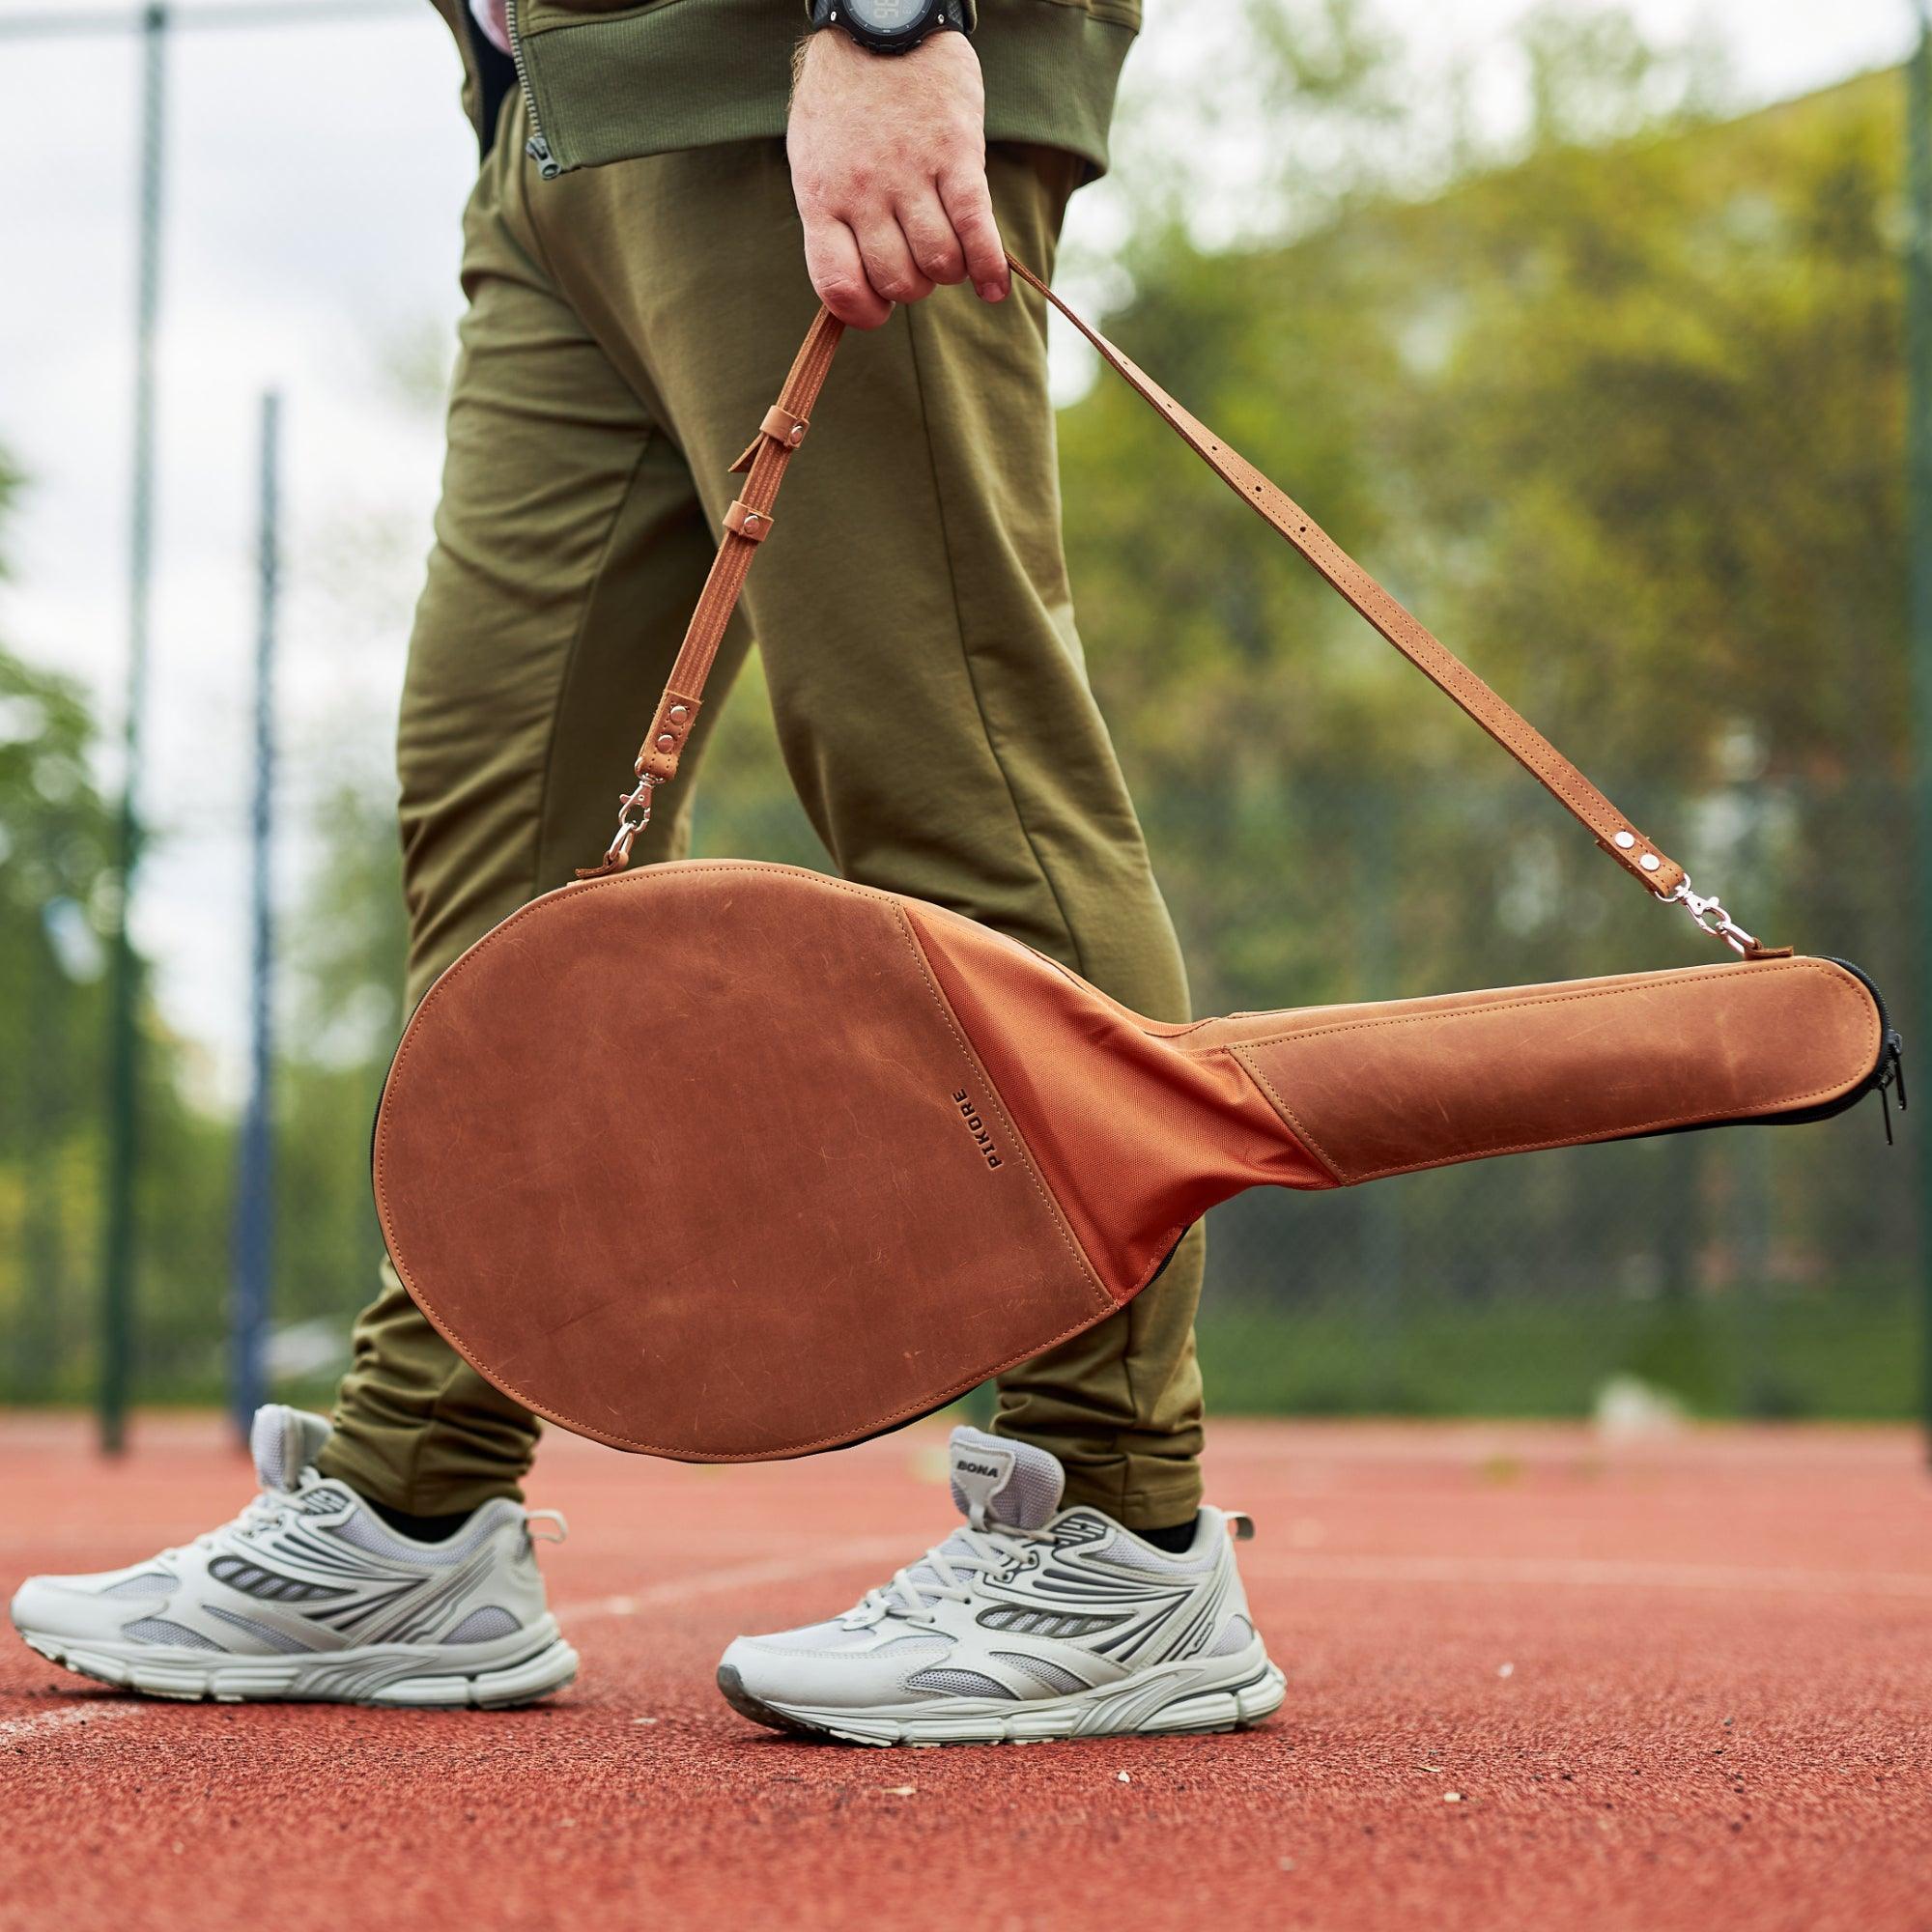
x=1535 y=1680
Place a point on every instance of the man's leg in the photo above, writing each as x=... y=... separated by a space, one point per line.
x=913 y=611
x=569 y=550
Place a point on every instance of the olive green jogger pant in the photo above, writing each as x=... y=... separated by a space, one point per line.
x=627 y=329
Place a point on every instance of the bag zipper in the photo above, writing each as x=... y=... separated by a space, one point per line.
x=1888 y=1075
x=537 y=147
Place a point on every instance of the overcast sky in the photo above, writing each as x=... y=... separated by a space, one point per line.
x=315 y=177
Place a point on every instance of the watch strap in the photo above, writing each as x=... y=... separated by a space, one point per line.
x=961 y=16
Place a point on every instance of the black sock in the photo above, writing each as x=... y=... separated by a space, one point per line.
x=1174 y=1539
x=424 y=1528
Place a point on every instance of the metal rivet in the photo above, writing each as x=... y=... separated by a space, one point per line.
x=750 y=518
x=797 y=434
x=1649 y=861
x=1626 y=840
x=666 y=741
x=678 y=714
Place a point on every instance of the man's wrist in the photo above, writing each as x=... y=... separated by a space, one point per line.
x=890 y=26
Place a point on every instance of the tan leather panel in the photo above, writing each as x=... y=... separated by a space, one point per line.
x=695 y=1160
x=1388 y=1089
x=1137 y=1140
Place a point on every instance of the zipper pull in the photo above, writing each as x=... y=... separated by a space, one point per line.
x=1892 y=1074
x=538 y=150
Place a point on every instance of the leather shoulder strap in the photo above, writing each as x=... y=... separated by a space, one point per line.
x=1613 y=832
x=747 y=523
x=750 y=519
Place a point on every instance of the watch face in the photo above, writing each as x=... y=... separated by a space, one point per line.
x=886 y=16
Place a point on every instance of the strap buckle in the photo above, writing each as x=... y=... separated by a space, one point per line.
x=634 y=813
x=1708 y=913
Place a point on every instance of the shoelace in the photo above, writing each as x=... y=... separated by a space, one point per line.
x=950 y=1569
x=264 y=1511
x=268 y=1508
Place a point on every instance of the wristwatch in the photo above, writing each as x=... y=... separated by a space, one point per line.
x=892 y=26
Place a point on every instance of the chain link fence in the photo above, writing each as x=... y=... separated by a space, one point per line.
x=1761 y=1271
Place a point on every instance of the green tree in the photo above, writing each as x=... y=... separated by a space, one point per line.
x=54 y=845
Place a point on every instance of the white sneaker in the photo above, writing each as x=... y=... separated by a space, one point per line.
x=1032 y=1622
x=309 y=1594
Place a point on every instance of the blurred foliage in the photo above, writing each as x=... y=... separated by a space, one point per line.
x=1619 y=411
x=53 y=836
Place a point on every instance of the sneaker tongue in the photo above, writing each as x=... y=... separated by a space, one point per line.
x=996 y=1484
x=284 y=1441
x=998 y=1480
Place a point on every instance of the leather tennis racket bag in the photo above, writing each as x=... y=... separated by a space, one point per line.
x=729 y=1161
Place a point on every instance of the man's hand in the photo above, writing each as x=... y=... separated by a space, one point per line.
x=889 y=166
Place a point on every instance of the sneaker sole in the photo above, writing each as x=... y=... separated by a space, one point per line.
x=1153 y=1705
x=534 y=1665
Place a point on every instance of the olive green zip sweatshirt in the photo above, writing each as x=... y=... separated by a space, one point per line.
x=608 y=82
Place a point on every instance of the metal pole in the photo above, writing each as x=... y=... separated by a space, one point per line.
x=118 y=1238
x=1918 y=529
x=254 y=1204
x=43 y=1121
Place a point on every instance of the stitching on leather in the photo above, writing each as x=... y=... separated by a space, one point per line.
x=786 y=1451
x=384 y=1215
x=781 y=1452
x=973 y=1058
x=1287 y=1113
x=1562 y=1141
x=573 y=1423
x=1841 y=984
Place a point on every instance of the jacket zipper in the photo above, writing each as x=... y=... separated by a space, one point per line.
x=537 y=147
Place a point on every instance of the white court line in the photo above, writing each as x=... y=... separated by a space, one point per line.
x=740 y=1577
x=1588 y=1572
